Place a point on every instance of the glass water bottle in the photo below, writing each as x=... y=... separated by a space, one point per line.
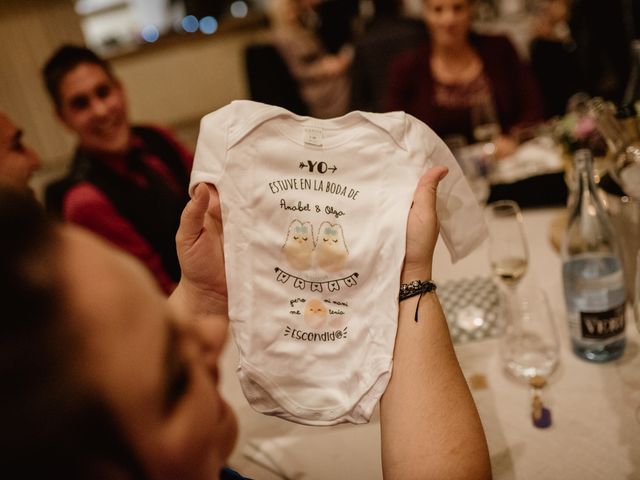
x=592 y=273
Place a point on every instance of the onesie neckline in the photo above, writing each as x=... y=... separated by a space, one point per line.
x=392 y=123
x=334 y=132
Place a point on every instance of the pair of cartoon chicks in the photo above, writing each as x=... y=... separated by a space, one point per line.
x=303 y=251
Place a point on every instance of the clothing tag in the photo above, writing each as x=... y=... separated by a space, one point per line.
x=313 y=136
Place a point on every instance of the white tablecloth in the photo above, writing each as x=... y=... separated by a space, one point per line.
x=596 y=408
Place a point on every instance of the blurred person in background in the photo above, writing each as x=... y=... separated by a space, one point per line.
x=387 y=34
x=335 y=22
x=582 y=45
x=602 y=32
x=105 y=378
x=18 y=162
x=456 y=71
x=323 y=78
x=127 y=183
x=554 y=60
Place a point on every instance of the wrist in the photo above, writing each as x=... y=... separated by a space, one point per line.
x=418 y=272
x=194 y=301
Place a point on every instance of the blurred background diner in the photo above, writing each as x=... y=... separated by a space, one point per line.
x=18 y=162
x=320 y=66
x=126 y=183
x=463 y=83
x=179 y=60
x=514 y=87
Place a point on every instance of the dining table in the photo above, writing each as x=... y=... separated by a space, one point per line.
x=595 y=407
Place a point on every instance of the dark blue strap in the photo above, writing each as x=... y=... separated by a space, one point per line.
x=227 y=474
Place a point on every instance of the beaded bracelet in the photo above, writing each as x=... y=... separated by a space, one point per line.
x=416 y=287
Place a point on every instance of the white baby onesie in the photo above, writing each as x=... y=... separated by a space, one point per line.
x=314 y=216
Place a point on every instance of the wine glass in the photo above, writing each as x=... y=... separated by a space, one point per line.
x=530 y=348
x=530 y=345
x=484 y=121
x=626 y=171
x=473 y=163
x=508 y=251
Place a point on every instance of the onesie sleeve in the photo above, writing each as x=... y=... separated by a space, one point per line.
x=461 y=219
x=211 y=150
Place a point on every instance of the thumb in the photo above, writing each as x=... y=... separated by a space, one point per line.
x=428 y=185
x=214 y=208
x=192 y=218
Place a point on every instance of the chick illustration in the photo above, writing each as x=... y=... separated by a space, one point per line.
x=331 y=251
x=315 y=313
x=298 y=246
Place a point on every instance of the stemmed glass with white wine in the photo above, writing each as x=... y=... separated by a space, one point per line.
x=508 y=251
x=508 y=256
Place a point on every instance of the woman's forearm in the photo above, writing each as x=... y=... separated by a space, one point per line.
x=429 y=422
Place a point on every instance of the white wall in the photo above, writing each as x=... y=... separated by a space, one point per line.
x=29 y=30
x=173 y=84
x=182 y=82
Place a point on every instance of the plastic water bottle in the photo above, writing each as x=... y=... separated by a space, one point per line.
x=594 y=285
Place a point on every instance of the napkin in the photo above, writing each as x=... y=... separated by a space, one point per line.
x=535 y=157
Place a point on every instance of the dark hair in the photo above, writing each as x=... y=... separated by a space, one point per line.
x=65 y=59
x=53 y=424
x=382 y=7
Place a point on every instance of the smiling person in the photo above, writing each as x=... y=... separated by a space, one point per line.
x=456 y=71
x=17 y=160
x=127 y=183
x=103 y=377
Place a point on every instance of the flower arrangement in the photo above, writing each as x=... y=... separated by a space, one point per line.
x=577 y=130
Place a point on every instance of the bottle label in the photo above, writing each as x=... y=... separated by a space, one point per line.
x=602 y=325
